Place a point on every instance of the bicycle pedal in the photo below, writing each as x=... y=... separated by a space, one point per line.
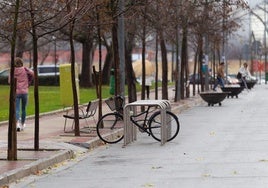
x=141 y=130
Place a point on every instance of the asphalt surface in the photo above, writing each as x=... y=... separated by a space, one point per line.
x=218 y=146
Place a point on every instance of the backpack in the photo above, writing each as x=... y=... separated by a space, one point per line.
x=29 y=76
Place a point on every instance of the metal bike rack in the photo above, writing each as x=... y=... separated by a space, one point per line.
x=130 y=130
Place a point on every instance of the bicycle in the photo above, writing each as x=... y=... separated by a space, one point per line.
x=110 y=126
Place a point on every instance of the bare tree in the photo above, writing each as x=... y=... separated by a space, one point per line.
x=12 y=132
x=37 y=22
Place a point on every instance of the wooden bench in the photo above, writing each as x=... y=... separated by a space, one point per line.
x=89 y=112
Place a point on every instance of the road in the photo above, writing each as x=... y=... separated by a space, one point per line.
x=220 y=146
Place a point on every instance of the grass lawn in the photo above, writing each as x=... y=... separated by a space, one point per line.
x=49 y=99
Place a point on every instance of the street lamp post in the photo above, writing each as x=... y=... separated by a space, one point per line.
x=55 y=57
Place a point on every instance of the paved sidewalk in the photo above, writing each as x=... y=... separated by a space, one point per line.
x=55 y=145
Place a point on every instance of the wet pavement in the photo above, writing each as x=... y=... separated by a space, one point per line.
x=221 y=146
x=55 y=144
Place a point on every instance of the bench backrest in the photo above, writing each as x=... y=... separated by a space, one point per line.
x=92 y=108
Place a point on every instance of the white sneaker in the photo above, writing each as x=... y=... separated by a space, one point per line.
x=18 y=127
x=23 y=126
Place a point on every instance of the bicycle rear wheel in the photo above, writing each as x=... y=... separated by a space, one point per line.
x=110 y=128
x=155 y=125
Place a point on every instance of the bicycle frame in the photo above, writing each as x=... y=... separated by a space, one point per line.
x=119 y=103
x=111 y=128
x=143 y=125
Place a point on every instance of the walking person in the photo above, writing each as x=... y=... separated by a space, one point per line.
x=220 y=76
x=22 y=75
x=148 y=84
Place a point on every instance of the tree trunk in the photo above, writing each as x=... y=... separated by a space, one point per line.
x=156 y=66
x=86 y=73
x=116 y=58
x=99 y=82
x=194 y=72
x=20 y=44
x=177 y=70
x=143 y=76
x=186 y=76
x=183 y=58
x=164 y=67
x=108 y=65
x=75 y=99
x=200 y=60
x=12 y=132
x=36 y=82
x=130 y=75
x=36 y=92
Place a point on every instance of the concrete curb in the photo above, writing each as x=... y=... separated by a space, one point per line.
x=35 y=166
x=190 y=102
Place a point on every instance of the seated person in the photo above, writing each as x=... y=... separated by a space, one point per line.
x=243 y=73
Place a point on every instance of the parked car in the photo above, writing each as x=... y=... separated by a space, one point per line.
x=48 y=75
x=195 y=78
x=4 y=73
x=231 y=79
x=48 y=70
x=43 y=70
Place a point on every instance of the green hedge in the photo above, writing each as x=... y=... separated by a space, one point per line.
x=3 y=81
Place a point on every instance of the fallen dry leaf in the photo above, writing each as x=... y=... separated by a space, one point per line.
x=199 y=159
x=206 y=175
x=235 y=172
x=148 y=185
x=263 y=160
x=212 y=133
x=156 y=167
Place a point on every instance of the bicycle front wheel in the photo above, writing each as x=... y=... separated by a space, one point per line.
x=173 y=125
x=110 y=128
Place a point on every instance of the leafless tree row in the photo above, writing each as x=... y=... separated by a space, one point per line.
x=197 y=25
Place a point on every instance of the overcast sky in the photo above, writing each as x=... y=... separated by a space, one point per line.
x=242 y=35
x=253 y=3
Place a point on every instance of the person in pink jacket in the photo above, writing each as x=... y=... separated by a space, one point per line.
x=21 y=73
